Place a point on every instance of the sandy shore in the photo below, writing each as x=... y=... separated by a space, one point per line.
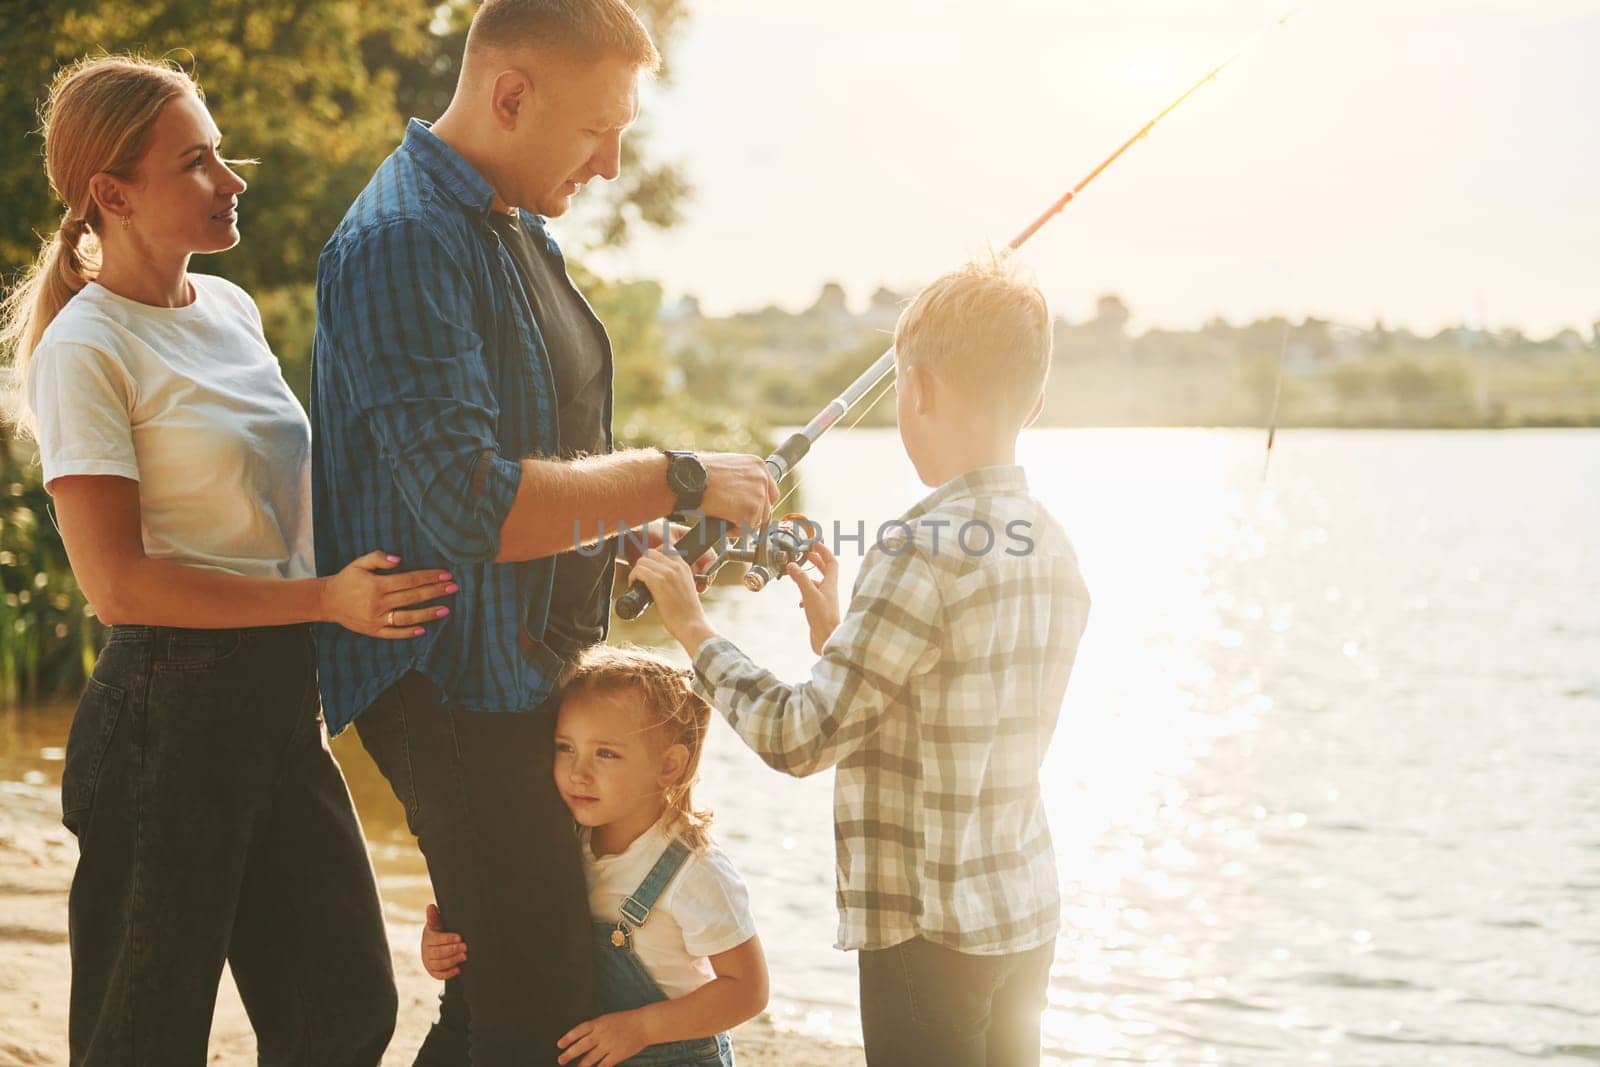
x=36 y=861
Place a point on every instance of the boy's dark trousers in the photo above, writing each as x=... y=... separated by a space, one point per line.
x=479 y=794
x=212 y=825
x=924 y=1005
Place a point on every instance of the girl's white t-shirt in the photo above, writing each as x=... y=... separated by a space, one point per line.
x=191 y=403
x=704 y=911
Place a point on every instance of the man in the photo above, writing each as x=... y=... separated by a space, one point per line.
x=462 y=409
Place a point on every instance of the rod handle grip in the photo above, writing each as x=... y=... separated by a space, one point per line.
x=710 y=533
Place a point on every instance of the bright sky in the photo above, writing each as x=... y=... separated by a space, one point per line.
x=1431 y=162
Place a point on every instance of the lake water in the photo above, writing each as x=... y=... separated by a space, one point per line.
x=1325 y=788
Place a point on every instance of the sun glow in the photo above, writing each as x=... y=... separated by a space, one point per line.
x=1148 y=72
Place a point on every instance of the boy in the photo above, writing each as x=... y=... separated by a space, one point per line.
x=936 y=694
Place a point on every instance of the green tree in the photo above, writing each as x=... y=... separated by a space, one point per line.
x=285 y=82
x=317 y=90
x=47 y=635
x=29 y=56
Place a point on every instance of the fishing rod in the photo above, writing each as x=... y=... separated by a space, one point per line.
x=785 y=543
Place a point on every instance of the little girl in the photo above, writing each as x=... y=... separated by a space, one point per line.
x=677 y=960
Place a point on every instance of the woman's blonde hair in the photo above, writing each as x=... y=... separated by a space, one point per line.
x=674 y=713
x=96 y=119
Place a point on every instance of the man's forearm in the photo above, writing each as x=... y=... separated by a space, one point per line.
x=562 y=504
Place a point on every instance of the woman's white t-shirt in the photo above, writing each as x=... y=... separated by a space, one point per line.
x=191 y=403
x=704 y=911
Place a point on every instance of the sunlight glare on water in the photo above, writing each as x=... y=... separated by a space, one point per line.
x=1311 y=718
x=1148 y=701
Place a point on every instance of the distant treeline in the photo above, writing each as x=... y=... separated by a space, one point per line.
x=786 y=366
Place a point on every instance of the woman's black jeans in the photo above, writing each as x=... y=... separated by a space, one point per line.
x=213 y=825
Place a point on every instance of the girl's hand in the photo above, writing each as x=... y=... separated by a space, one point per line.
x=361 y=599
x=605 y=1041
x=819 y=596
x=671 y=584
x=443 y=953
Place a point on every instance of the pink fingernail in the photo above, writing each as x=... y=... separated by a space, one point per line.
x=394 y=559
x=445 y=577
x=418 y=632
x=452 y=588
x=442 y=612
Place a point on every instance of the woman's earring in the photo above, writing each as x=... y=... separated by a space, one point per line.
x=126 y=222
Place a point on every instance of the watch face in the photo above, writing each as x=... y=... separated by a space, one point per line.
x=687 y=475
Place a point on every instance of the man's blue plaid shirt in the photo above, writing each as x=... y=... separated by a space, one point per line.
x=430 y=381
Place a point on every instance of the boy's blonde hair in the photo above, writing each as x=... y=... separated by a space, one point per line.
x=985 y=330
x=672 y=711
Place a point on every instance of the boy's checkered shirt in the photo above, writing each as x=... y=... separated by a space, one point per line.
x=936 y=697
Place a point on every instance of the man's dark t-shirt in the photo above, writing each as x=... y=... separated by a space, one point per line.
x=581 y=598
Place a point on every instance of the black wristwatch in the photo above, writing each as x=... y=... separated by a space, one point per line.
x=686 y=477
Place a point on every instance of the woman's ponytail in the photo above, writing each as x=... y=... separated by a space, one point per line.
x=97 y=120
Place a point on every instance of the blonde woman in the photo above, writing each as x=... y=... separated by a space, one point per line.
x=212 y=823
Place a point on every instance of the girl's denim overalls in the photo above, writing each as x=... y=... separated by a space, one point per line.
x=622 y=983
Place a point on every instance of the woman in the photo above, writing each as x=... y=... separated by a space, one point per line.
x=211 y=820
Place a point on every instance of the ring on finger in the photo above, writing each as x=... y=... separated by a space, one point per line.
x=390 y=617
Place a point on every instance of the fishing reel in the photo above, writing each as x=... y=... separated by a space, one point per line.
x=784 y=542
x=780 y=544
x=768 y=556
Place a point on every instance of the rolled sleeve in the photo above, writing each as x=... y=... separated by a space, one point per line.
x=412 y=365
x=887 y=637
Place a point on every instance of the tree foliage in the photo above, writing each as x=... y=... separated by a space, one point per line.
x=317 y=90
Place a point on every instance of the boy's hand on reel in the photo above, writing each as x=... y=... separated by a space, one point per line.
x=672 y=587
x=819 y=597
x=443 y=953
x=652 y=539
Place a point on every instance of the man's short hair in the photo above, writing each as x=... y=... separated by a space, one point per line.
x=581 y=27
x=984 y=330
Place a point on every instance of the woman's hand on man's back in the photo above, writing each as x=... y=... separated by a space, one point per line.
x=363 y=599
